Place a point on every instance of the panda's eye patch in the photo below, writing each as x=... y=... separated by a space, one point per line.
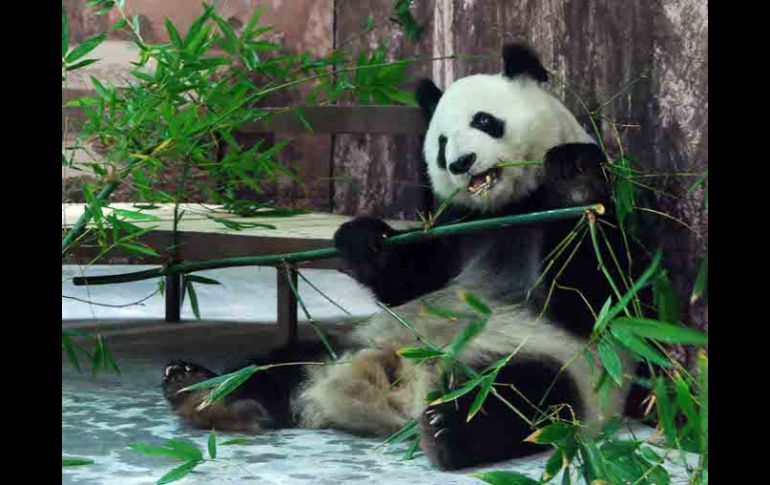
x=441 y=160
x=487 y=123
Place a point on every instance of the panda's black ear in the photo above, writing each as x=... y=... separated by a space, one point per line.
x=519 y=59
x=428 y=95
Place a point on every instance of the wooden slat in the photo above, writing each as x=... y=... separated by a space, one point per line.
x=388 y=120
x=286 y=277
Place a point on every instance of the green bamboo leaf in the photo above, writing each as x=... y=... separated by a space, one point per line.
x=460 y=391
x=411 y=450
x=650 y=455
x=179 y=472
x=68 y=348
x=553 y=433
x=119 y=24
x=666 y=411
x=481 y=396
x=701 y=280
x=193 y=297
x=99 y=87
x=136 y=248
x=474 y=302
x=661 y=331
x=666 y=299
x=640 y=347
x=611 y=361
x=601 y=319
x=97 y=357
x=448 y=314
x=80 y=64
x=75 y=461
x=418 y=353
x=248 y=30
x=301 y=115
x=594 y=465
x=212 y=445
x=703 y=381
x=173 y=34
x=552 y=467
x=65 y=35
x=368 y=23
x=230 y=384
x=407 y=431
x=185 y=449
x=638 y=285
x=136 y=215
x=202 y=280
x=505 y=478
x=152 y=450
x=85 y=47
x=216 y=381
x=236 y=441
x=460 y=340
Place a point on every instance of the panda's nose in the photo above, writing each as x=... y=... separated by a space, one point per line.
x=462 y=164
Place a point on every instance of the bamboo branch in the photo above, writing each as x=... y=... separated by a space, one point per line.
x=412 y=236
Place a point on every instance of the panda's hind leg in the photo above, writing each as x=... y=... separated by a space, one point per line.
x=229 y=414
x=496 y=432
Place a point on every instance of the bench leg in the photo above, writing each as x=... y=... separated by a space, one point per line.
x=287 y=305
x=173 y=297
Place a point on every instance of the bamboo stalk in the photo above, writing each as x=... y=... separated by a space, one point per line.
x=412 y=236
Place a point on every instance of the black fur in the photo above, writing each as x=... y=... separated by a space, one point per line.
x=428 y=95
x=520 y=60
x=263 y=400
x=496 y=432
x=441 y=158
x=396 y=274
x=463 y=163
x=489 y=124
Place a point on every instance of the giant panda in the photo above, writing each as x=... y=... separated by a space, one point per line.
x=478 y=122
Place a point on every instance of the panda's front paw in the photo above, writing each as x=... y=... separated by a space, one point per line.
x=441 y=439
x=572 y=160
x=179 y=374
x=362 y=239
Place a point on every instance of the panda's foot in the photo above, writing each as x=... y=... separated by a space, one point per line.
x=441 y=430
x=229 y=414
x=179 y=374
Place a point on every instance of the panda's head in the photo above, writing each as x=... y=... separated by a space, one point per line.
x=483 y=121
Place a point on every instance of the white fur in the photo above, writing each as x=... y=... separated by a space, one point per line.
x=355 y=395
x=535 y=122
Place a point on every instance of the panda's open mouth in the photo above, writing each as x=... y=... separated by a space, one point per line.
x=481 y=182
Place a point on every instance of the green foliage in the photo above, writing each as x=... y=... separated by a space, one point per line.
x=99 y=356
x=179 y=450
x=75 y=462
x=505 y=478
x=174 y=124
x=404 y=18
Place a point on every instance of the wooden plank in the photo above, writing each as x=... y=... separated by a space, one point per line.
x=287 y=304
x=311 y=225
x=386 y=120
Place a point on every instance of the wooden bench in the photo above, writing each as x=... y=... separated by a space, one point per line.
x=202 y=239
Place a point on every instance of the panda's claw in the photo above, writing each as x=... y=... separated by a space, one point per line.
x=178 y=375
